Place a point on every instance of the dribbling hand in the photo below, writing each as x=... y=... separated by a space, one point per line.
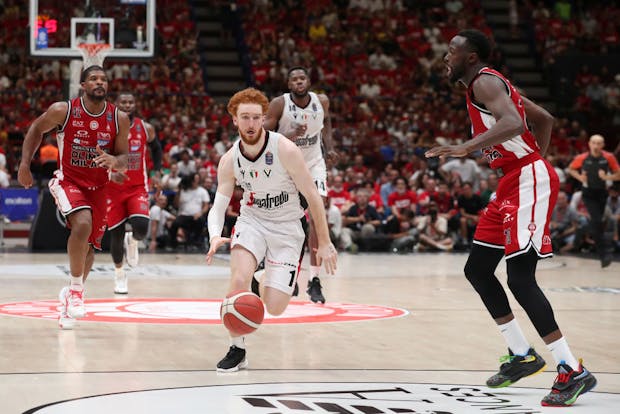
x=24 y=176
x=328 y=255
x=215 y=244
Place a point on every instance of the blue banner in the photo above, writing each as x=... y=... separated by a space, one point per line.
x=18 y=203
x=42 y=38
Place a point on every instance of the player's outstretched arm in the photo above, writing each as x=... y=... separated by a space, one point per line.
x=217 y=214
x=274 y=112
x=326 y=133
x=55 y=116
x=491 y=92
x=154 y=146
x=293 y=160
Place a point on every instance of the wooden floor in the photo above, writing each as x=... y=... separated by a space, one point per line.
x=434 y=357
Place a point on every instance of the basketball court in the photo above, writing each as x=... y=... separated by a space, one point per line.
x=398 y=334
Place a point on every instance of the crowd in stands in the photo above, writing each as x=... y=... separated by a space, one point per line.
x=379 y=62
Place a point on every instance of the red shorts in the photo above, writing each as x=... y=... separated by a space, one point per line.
x=126 y=202
x=71 y=198
x=519 y=215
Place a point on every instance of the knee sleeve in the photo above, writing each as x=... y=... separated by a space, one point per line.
x=522 y=284
x=139 y=227
x=480 y=271
x=116 y=243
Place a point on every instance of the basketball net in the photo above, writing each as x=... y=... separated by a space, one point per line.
x=92 y=54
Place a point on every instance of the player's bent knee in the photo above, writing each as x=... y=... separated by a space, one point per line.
x=139 y=227
x=275 y=301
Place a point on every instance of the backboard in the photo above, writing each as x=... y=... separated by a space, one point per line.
x=57 y=27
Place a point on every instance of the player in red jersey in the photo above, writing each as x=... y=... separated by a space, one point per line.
x=92 y=140
x=128 y=199
x=516 y=222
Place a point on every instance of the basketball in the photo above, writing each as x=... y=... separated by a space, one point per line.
x=242 y=312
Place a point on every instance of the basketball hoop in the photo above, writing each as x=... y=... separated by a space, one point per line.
x=93 y=53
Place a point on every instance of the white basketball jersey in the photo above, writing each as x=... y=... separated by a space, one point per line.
x=312 y=115
x=269 y=192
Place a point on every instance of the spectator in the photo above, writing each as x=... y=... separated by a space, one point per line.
x=334 y=221
x=192 y=202
x=170 y=182
x=186 y=165
x=161 y=220
x=48 y=157
x=465 y=168
x=433 y=231
x=339 y=197
x=564 y=224
x=360 y=222
x=613 y=204
x=402 y=198
x=491 y=187
x=5 y=178
x=470 y=206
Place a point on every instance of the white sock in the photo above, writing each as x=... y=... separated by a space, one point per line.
x=562 y=354
x=238 y=341
x=514 y=337
x=77 y=283
x=119 y=271
x=315 y=271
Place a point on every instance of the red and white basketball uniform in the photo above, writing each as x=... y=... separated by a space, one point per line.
x=79 y=183
x=131 y=198
x=518 y=217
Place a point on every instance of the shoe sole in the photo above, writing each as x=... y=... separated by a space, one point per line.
x=75 y=315
x=242 y=365
x=67 y=325
x=509 y=382
x=118 y=292
x=572 y=400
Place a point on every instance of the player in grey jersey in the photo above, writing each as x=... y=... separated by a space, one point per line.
x=303 y=117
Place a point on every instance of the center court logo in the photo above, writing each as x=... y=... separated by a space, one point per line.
x=198 y=311
x=343 y=397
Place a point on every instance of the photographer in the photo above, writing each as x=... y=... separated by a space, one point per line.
x=433 y=231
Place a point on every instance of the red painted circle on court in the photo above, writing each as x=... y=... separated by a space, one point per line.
x=198 y=311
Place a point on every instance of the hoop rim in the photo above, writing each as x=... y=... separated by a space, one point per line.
x=93 y=49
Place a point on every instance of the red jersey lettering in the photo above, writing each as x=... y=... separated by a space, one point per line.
x=500 y=155
x=78 y=139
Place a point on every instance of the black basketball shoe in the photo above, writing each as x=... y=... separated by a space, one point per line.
x=515 y=367
x=233 y=361
x=315 y=290
x=568 y=385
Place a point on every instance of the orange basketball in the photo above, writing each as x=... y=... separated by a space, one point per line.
x=242 y=312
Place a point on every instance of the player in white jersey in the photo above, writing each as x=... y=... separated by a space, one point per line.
x=303 y=117
x=271 y=171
